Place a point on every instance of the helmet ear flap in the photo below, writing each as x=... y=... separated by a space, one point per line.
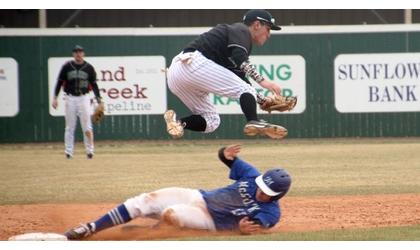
x=277 y=197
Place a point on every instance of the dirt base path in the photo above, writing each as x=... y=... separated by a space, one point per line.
x=299 y=214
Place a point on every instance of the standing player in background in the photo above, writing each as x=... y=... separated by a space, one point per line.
x=250 y=204
x=217 y=62
x=77 y=77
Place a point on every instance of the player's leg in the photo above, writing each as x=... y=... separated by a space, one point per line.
x=237 y=89
x=154 y=203
x=86 y=123
x=189 y=216
x=71 y=120
x=210 y=77
x=223 y=82
x=116 y=216
x=205 y=76
x=144 y=205
x=204 y=117
x=181 y=207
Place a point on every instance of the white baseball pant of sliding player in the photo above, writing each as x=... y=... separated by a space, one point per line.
x=181 y=206
x=192 y=77
x=77 y=106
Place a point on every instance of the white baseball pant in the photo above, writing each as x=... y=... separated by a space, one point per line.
x=191 y=77
x=78 y=106
x=182 y=207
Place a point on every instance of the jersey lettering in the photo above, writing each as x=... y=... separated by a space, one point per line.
x=239 y=212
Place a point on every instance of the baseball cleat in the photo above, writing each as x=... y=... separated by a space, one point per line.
x=68 y=156
x=80 y=232
x=262 y=127
x=174 y=127
x=89 y=156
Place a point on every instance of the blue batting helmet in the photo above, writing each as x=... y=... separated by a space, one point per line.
x=275 y=182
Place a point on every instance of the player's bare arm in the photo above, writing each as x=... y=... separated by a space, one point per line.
x=273 y=87
x=54 y=102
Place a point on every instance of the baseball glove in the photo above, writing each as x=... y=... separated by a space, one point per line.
x=278 y=103
x=98 y=114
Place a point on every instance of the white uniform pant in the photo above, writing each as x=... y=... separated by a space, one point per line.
x=191 y=77
x=181 y=206
x=77 y=106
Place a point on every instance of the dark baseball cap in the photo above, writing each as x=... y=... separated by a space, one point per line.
x=78 y=48
x=261 y=15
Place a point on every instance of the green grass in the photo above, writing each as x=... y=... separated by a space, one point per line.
x=374 y=234
x=38 y=173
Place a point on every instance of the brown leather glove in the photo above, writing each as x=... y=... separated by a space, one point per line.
x=99 y=113
x=278 y=103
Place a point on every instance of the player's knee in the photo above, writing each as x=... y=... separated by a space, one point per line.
x=170 y=217
x=212 y=123
x=70 y=129
x=141 y=205
x=88 y=133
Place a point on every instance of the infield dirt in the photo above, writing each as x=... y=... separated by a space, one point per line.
x=301 y=214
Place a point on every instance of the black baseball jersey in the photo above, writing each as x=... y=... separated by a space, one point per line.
x=77 y=79
x=226 y=45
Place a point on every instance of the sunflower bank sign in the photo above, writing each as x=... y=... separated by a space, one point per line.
x=129 y=85
x=287 y=71
x=377 y=82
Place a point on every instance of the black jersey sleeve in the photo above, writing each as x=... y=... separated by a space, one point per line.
x=94 y=84
x=61 y=79
x=239 y=43
x=238 y=56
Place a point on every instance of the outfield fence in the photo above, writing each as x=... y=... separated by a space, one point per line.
x=351 y=81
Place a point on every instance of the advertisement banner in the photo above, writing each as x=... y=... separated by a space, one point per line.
x=287 y=71
x=129 y=85
x=9 y=87
x=388 y=82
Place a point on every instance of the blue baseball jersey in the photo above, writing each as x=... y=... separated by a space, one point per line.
x=230 y=204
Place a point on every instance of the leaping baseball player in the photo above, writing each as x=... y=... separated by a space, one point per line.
x=250 y=204
x=218 y=62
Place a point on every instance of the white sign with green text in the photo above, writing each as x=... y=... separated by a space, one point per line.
x=287 y=71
